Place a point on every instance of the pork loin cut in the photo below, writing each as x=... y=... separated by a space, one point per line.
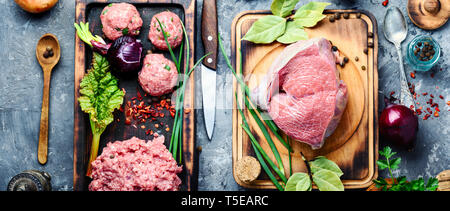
x=302 y=92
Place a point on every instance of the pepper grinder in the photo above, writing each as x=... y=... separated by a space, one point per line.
x=30 y=180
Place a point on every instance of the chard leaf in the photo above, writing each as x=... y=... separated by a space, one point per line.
x=322 y=162
x=266 y=29
x=298 y=182
x=293 y=34
x=327 y=180
x=283 y=8
x=100 y=95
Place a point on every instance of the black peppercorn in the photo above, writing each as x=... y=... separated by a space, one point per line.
x=337 y=15
x=331 y=18
x=334 y=48
x=346 y=15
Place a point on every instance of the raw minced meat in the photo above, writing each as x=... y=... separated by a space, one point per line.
x=158 y=75
x=172 y=26
x=120 y=19
x=135 y=165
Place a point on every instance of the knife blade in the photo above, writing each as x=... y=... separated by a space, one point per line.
x=209 y=64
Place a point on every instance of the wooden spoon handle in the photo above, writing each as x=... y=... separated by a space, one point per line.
x=43 y=129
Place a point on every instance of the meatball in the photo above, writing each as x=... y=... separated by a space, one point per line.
x=158 y=75
x=172 y=26
x=120 y=19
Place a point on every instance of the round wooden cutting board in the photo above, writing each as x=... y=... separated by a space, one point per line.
x=429 y=14
x=351 y=116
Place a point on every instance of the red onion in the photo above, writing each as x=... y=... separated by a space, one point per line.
x=124 y=54
x=398 y=125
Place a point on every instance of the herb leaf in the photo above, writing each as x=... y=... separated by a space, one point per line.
x=309 y=14
x=432 y=184
x=293 y=34
x=266 y=29
x=283 y=8
x=382 y=164
x=125 y=31
x=308 y=18
x=394 y=163
x=327 y=180
x=298 y=182
x=322 y=162
x=316 y=6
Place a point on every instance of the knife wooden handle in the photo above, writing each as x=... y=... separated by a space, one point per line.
x=209 y=32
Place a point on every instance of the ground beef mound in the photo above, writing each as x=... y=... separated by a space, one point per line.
x=172 y=26
x=120 y=19
x=135 y=165
x=158 y=75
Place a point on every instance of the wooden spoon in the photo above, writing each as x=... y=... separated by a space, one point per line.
x=47 y=60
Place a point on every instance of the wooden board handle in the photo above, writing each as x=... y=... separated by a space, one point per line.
x=43 y=129
x=209 y=32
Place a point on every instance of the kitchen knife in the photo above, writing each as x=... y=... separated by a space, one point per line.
x=209 y=64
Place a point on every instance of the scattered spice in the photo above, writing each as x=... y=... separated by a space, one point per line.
x=436 y=114
x=363 y=67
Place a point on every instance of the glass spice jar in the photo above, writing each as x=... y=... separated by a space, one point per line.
x=423 y=53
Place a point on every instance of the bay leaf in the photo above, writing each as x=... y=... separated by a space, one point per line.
x=308 y=18
x=266 y=29
x=283 y=8
x=327 y=180
x=322 y=162
x=316 y=6
x=298 y=182
x=293 y=34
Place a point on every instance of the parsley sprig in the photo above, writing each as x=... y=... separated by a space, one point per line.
x=400 y=183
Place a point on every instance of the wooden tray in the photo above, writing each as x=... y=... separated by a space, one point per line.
x=354 y=144
x=89 y=11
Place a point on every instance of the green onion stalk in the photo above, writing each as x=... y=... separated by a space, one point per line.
x=175 y=146
x=256 y=113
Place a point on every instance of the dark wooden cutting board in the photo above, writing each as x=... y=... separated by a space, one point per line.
x=354 y=144
x=89 y=11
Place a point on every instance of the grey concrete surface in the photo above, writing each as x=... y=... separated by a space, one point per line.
x=21 y=94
